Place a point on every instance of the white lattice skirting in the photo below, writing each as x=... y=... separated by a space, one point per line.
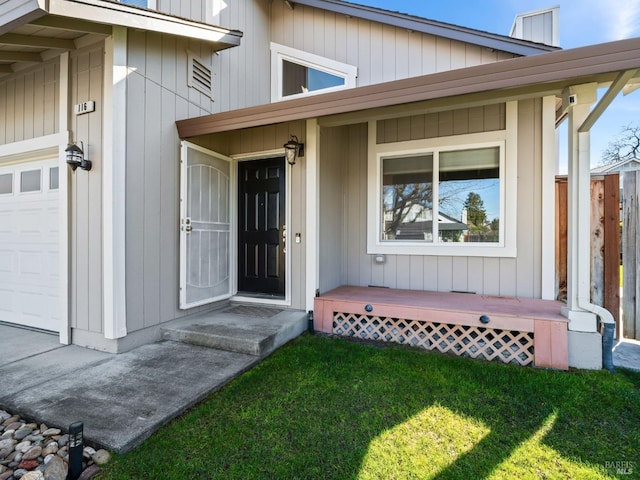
x=507 y=346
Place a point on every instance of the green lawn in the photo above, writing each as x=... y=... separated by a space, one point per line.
x=323 y=408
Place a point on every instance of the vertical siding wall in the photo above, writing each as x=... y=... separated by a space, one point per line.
x=157 y=96
x=264 y=139
x=29 y=104
x=241 y=74
x=343 y=207
x=85 y=191
x=381 y=52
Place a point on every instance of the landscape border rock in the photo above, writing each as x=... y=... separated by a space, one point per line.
x=29 y=451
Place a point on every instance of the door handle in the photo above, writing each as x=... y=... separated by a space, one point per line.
x=186 y=225
x=284 y=238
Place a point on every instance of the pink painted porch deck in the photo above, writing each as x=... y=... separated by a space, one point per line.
x=540 y=317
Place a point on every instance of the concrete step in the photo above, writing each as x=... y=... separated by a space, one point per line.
x=252 y=330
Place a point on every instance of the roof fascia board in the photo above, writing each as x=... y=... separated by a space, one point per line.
x=539 y=73
x=112 y=13
x=453 y=32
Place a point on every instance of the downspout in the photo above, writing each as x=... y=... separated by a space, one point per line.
x=583 y=298
x=584 y=301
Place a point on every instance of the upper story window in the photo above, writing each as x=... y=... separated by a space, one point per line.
x=295 y=73
x=140 y=3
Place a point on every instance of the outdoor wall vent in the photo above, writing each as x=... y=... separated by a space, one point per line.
x=200 y=76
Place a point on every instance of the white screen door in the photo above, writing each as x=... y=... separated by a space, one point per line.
x=205 y=226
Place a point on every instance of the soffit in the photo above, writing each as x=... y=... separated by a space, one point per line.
x=524 y=77
x=42 y=30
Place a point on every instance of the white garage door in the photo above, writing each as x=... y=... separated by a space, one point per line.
x=29 y=230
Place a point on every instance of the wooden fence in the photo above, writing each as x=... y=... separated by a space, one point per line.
x=605 y=242
x=631 y=254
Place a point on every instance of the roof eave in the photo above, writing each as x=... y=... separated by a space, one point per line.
x=539 y=74
x=113 y=13
x=441 y=29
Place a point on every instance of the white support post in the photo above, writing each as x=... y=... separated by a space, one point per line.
x=114 y=180
x=312 y=215
x=579 y=100
x=63 y=188
x=549 y=161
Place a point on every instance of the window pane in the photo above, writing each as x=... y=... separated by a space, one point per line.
x=135 y=3
x=53 y=178
x=469 y=196
x=6 y=183
x=301 y=79
x=407 y=198
x=30 y=181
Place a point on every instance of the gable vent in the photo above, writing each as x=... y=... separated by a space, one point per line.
x=200 y=76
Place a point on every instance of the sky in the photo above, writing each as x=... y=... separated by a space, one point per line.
x=582 y=22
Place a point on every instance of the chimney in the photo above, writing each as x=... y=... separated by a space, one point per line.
x=540 y=26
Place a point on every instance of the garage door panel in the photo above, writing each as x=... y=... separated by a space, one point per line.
x=29 y=232
x=31 y=264
x=6 y=302
x=6 y=261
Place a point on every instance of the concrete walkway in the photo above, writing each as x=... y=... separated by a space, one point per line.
x=122 y=399
x=626 y=354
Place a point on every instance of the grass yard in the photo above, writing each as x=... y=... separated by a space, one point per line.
x=325 y=408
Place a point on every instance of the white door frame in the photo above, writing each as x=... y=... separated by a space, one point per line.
x=278 y=152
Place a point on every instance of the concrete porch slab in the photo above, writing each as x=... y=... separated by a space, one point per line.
x=239 y=328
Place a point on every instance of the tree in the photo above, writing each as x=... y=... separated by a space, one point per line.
x=476 y=214
x=625 y=146
x=400 y=198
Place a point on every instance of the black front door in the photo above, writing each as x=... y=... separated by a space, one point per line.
x=261 y=224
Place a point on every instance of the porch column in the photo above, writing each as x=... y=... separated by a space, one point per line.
x=585 y=344
x=312 y=139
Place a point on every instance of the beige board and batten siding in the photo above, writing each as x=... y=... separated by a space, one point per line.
x=343 y=202
x=29 y=103
x=157 y=96
x=241 y=74
x=86 y=73
x=264 y=139
x=381 y=52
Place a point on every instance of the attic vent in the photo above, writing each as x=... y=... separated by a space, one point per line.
x=200 y=76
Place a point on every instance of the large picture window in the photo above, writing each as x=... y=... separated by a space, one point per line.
x=452 y=195
x=466 y=184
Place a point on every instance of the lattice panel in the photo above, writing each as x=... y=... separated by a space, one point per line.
x=508 y=346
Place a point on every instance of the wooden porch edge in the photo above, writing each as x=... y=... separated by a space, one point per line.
x=541 y=318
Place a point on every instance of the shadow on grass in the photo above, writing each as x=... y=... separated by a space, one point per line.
x=328 y=408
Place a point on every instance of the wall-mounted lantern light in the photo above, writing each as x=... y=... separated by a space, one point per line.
x=75 y=157
x=293 y=149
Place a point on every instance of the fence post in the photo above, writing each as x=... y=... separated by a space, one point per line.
x=630 y=251
x=612 y=247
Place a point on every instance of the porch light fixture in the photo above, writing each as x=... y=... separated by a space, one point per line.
x=75 y=157
x=293 y=149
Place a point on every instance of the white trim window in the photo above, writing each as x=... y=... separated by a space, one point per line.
x=295 y=73
x=151 y=4
x=444 y=196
